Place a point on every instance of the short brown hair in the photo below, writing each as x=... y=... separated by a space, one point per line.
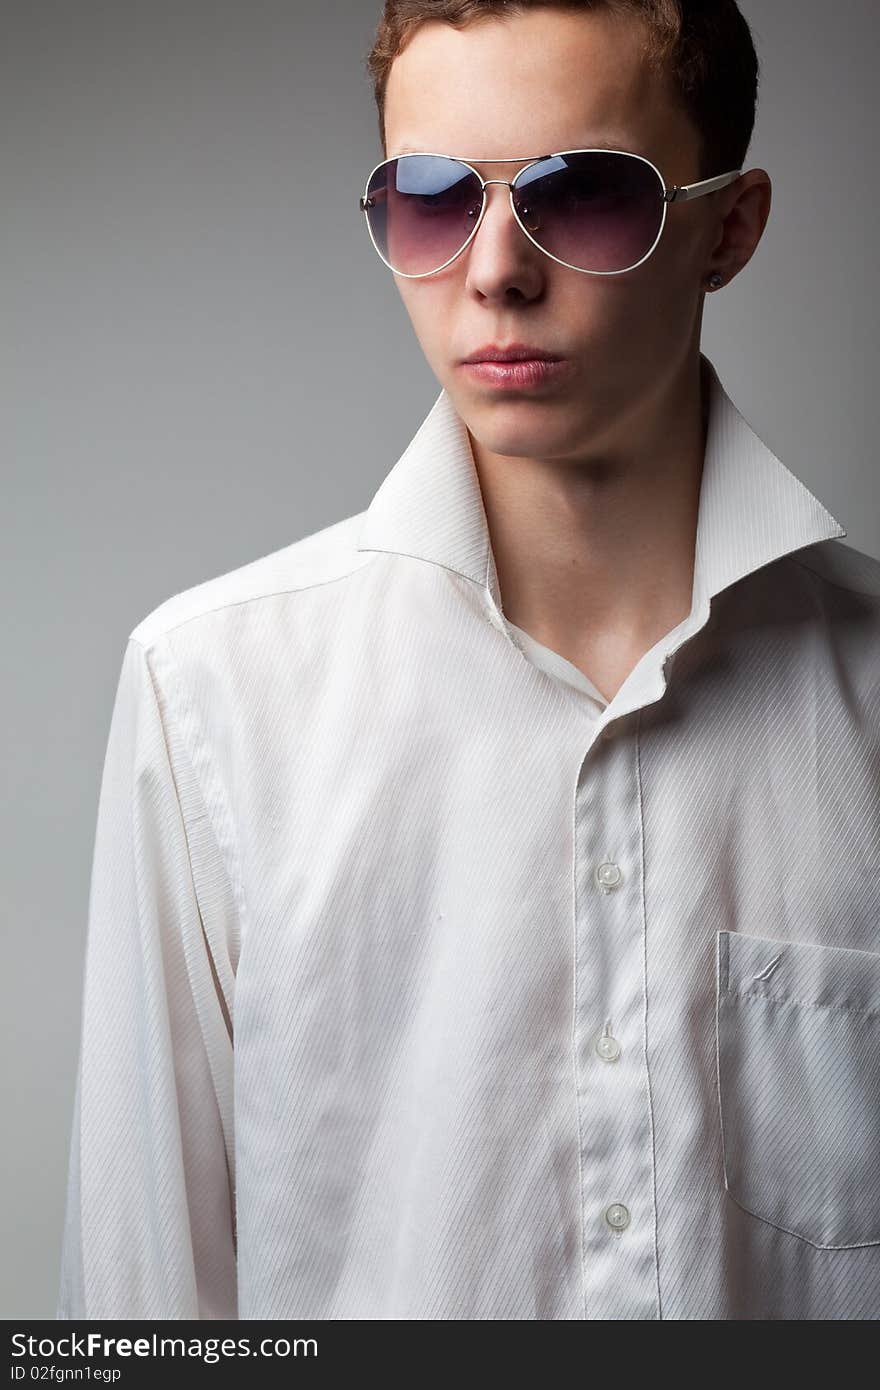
x=706 y=45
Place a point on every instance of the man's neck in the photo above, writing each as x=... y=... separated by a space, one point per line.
x=595 y=557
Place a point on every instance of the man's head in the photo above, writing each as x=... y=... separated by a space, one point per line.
x=673 y=81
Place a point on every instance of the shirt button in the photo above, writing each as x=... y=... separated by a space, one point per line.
x=617 y=1216
x=608 y=1048
x=608 y=875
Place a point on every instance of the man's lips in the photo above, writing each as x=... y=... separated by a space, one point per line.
x=514 y=352
x=518 y=373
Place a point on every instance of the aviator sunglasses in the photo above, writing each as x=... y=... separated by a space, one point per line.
x=600 y=211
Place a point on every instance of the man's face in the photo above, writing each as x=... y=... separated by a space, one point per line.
x=535 y=82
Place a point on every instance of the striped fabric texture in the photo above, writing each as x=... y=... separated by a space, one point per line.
x=423 y=982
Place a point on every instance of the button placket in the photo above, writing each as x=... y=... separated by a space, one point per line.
x=614 y=1130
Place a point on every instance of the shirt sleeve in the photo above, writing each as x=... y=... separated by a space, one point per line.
x=149 y=1228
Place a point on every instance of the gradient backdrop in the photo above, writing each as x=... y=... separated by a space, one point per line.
x=203 y=359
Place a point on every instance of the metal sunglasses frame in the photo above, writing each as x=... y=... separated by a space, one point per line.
x=674 y=194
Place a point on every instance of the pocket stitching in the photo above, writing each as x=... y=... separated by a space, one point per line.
x=789 y=999
x=817 y=1245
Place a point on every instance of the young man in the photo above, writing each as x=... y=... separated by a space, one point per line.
x=484 y=917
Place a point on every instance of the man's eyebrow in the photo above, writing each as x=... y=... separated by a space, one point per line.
x=601 y=142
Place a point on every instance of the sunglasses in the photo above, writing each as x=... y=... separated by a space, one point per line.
x=600 y=211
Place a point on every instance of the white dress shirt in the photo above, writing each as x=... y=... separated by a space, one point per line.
x=423 y=982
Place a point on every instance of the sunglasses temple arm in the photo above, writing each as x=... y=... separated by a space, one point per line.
x=678 y=194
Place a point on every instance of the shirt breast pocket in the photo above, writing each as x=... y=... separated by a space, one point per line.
x=798 y=1071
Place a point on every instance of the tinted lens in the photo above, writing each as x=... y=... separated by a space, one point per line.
x=424 y=208
x=595 y=210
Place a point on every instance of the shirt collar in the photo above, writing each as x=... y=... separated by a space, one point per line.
x=752 y=509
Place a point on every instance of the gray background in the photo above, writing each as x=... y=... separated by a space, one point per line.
x=203 y=359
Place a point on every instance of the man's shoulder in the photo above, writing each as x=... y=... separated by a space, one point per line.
x=318 y=558
x=842 y=567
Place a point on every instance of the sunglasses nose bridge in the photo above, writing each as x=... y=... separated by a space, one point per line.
x=508 y=184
